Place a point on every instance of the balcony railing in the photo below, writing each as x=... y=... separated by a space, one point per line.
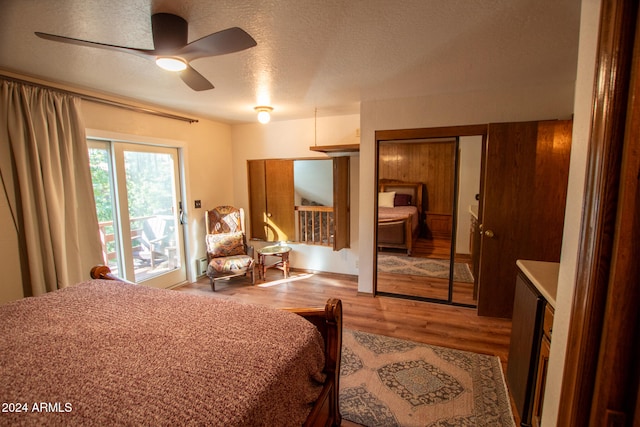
x=315 y=225
x=151 y=254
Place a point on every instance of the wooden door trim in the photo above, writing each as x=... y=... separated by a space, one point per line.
x=617 y=378
x=437 y=132
x=613 y=63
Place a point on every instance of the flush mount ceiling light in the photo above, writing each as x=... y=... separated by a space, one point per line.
x=264 y=113
x=171 y=64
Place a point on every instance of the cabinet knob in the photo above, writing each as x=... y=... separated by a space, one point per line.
x=268 y=214
x=489 y=234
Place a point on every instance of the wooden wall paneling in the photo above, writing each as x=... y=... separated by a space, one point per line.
x=431 y=187
x=441 y=176
x=448 y=175
x=414 y=162
x=389 y=162
x=400 y=163
x=553 y=151
x=397 y=162
x=384 y=164
x=431 y=163
x=421 y=174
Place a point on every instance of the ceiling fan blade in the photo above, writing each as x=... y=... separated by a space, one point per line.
x=69 y=40
x=195 y=80
x=169 y=31
x=226 y=41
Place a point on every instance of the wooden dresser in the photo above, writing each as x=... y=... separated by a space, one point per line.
x=531 y=330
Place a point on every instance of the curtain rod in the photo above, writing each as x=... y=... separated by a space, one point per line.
x=104 y=101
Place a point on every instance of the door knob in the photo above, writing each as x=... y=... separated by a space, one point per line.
x=489 y=234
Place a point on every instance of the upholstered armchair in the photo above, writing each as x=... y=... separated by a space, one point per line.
x=228 y=254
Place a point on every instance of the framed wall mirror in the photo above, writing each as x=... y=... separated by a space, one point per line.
x=428 y=191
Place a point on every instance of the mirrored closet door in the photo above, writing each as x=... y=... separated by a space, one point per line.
x=427 y=191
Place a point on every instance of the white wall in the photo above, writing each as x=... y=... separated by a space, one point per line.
x=313 y=180
x=590 y=15
x=292 y=139
x=507 y=105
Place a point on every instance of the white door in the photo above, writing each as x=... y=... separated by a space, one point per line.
x=138 y=201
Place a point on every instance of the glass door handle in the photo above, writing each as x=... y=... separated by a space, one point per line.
x=181 y=214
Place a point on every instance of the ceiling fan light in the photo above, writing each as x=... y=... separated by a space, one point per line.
x=171 y=64
x=264 y=114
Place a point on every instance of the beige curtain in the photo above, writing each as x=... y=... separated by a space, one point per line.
x=45 y=171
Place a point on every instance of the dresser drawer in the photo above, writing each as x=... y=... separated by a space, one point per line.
x=547 y=323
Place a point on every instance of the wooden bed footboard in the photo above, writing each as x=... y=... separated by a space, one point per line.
x=328 y=321
x=326 y=410
x=396 y=234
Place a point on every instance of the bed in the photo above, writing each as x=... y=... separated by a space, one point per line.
x=399 y=213
x=107 y=352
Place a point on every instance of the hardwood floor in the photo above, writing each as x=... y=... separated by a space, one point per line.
x=436 y=324
x=432 y=248
x=427 y=287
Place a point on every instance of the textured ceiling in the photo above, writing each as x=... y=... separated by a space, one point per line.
x=328 y=55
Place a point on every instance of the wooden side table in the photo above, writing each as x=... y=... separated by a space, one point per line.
x=279 y=251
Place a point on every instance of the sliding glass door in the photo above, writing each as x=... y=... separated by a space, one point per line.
x=137 y=191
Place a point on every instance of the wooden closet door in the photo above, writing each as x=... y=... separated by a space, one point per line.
x=257 y=199
x=280 y=209
x=341 y=196
x=526 y=171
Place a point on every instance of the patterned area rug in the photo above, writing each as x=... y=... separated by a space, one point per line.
x=391 y=382
x=424 y=267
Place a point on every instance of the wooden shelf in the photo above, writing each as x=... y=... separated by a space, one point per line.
x=335 y=149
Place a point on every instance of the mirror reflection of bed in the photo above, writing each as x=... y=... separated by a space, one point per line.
x=422 y=200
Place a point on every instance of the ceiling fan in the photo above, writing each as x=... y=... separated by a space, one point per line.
x=171 y=48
